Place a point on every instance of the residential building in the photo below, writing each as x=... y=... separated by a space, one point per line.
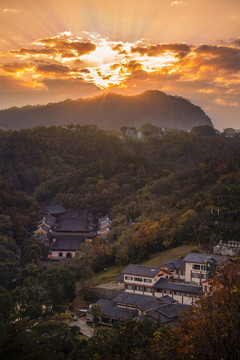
x=126 y=306
x=140 y=279
x=181 y=279
x=176 y=267
x=201 y=267
x=231 y=248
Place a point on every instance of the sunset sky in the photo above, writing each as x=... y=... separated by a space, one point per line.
x=51 y=50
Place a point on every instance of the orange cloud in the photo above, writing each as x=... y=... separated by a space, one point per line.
x=180 y=50
x=210 y=71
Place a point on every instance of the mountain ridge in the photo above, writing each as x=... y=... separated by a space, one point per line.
x=110 y=111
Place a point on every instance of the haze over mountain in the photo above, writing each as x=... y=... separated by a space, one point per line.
x=110 y=111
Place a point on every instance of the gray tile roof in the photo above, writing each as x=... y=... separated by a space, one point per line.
x=40 y=236
x=54 y=209
x=50 y=220
x=140 y=270
x=163 y=310
x=73 y=224
x=109 y=309
x=166 y=314
x=175 y=264
x=143 y=302
x=68 y=242
x=120 y=278
x=172 y=310
x=157 y=316
x=168 y=284
x=203 y=258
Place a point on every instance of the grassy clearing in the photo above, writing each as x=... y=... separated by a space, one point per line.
x=105 y=276
x=158 y=259
x=178 y=252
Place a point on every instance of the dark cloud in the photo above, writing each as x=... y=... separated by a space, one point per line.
x=221 y=58
x=53 y=68
x=86 y=71
x=237 y=42
x=154 y=50
x=40 y=51
x=70 y=87
x=216 y=50
x=53 y=46
x=133 y=65
x=66 y=46
x=14 y=67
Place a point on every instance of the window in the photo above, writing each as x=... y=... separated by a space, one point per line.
x=128 y=277
x=177 y=293
x=167 y=292
x=60 y=254
x=203 y=267
x=69 y=255
x=196 y=267
x=196 y=275
x=138 y=288
x=148 y=281
x=137 y=279
x=204 y=276
x=176 y=272
x=182 y=272
x=148 y=290
x=129 y=287
x=187 y=295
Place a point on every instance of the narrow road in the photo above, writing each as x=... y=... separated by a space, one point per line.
x=84 y=328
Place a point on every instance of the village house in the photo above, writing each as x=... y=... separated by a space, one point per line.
x=127 y=306
x=181 y=279
x=158 y=282
x=231 y=248
x=160 y=293
x=201 y=267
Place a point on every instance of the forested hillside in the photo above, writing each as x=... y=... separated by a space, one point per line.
x=160 y=192
x=172 y=186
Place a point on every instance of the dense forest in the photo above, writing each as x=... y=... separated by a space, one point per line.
x=160 y=192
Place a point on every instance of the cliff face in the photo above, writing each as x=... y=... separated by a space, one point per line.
x=110 y=111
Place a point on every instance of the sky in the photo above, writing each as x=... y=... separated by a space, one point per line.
x=51 y=50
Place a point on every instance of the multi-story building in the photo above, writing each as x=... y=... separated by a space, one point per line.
x=181 y=279
x=201 y=267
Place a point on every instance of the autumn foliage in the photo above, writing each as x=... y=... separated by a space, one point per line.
x=212 y=328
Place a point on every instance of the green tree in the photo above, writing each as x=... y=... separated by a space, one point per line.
x=18 y=229
x=96 y=310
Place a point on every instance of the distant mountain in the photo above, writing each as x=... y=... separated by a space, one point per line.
x=110 y=111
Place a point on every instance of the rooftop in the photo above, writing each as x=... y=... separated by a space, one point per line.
x=144 y=302
x=175 y=264
x=167 y=313
x=204 y=258
x=140 y=270
x=68 y=242
x=109 y=309
x=74 y=220
x=53 y=209
x=170 y=284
